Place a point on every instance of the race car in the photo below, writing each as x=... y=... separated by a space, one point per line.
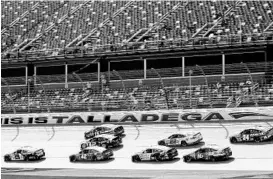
x=157 y=153
x=186 y=139
x=209 y=152
x=104 y=129
x=93 y=153
x=103 y=140
x=25 y=153
x=255 y=134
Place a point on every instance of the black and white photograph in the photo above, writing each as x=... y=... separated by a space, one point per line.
x=136 y=89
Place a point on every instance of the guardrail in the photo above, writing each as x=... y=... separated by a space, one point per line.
x=219 y=40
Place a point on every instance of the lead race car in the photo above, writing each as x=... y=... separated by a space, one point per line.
x=93 y=153
x=25 y=153
x=209 y=152
x=156 y=153
x=255 y=134
x=112 y=129
x=103 y=140
x=189 y=138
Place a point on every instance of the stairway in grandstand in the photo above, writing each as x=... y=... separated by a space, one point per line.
x=89 y=37
x=216 y=25
x=142 y=33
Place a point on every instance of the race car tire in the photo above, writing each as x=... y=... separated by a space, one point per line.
x=136 y=159
x=183 y=144
x=233 y=140
x=72 y=159
x=161 y=143
x=83 y=146
x=187 y=159
x=7 y=158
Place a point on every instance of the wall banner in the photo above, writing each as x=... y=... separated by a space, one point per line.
x=138 y=116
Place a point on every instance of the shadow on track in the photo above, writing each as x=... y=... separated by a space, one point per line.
x=229 y=160
x=95 y=162
x=122 y=135
x=254 y=143
x=20 y=161
x=117 y=148
x=159 y=162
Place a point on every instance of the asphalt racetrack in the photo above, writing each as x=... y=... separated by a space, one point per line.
x=59 y=142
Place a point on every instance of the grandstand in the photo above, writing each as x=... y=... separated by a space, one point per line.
x=135 y=55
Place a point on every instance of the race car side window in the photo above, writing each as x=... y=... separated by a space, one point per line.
x=156 y=150
x=180 y=136
x=148 y=151
x=247 y=131
x=85 y=151
x=19 y=151
x=202 y=150
x=253 y=131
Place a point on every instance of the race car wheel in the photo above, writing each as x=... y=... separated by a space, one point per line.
x=83 y=146
x=136 y=159
x=187 y=159
x=161 y=143
x=7 y=158
x=233 y=140
x=72 y=159
x=183 y=144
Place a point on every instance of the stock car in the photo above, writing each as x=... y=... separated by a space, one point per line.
x=256 y=134
x=186 y=139
x=104 y=129
x=93 y=153
x=103 y=140
x=25 y=153
x=157 y=153
x=209 y=152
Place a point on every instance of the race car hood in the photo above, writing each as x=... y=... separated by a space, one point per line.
x=237 y=134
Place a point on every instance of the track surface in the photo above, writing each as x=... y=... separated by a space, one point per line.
x=60 y=142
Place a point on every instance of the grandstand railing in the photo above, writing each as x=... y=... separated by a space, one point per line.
x=210 y=71
x=219 y=40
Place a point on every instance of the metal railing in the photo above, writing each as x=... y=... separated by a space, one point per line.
x=219 y=40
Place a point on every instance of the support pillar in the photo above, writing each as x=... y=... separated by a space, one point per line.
x=145 y=69
x=223 y=64
x=183 y=66
x=66 y=77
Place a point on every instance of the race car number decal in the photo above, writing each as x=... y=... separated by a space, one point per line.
x=84 y=156
x=145 y=156
x=15 y=157
x=89 y=144
x=200 y=155
x=246 y=137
